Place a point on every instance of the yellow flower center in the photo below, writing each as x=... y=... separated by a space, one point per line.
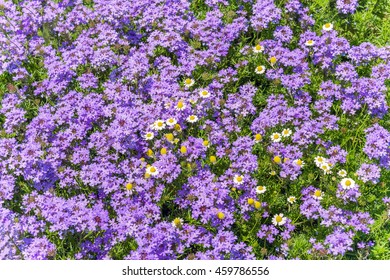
x=258 y=48
x=177 y=222
x=177 y=127
x=129 y=186
x=258 y=137
x=183 y=149
x=276 y=136
x=299 y=162
x=205 y=143
x=239 y=179
x=272 y=60
x=160 y=124
x=348 y=183
x=317 y=193
x=260 y=188
x=205 y=93
x=213 y=159
x=250 y=201
x=257 y=204
x=277 y=159
x=180 y=104
x=163 y=151
x=328 y=25
x=221 y=215
x=169 y=136
x=152 y=169
x=310 y=42
x=259 y=68
x=278 y=219
x=192 y=118
x=188 y=81
x=149 y=152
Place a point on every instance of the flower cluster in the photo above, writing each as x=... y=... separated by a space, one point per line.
x=131 y=130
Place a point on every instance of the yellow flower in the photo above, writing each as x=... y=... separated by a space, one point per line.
x=213 y=159
x=257 y=204
x=169 y=137
x=272 y=60
x=277 y=159
x=258 y=137
x=149 y=152
x=163 y=151
x=251 y=201
x=220 y=215
x=183 y=149
x=129 y=186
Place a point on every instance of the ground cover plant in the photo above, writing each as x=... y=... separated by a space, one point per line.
x=205 y=129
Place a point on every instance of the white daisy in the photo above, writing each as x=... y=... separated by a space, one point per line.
x=152 y=170
x=310 y=43
x=291 y=199
x=177 y=222
x=189 y=82
x=149 y=135
x=192 y=118
x=180 y=106
x=258 y=49
x=347 y=183
x=318 y=194
x=327 y=26
x=171 y=122
x=158 y=125
x=299 y=162
x=276 y=137
x=326 y=168
x=260 y=69
x=279 y=220
x=238 y=179
x=204 y=94
x=320 y=160
x=286 y=132
x=261 y=189
x=342 y=173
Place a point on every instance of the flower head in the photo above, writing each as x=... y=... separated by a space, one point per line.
x=347 y=183
x=171 y=122
x=204 y=93
x=189 y=82
x=342 y=173
x=152 y=170
x=149 y=135
x=310 y=43
x=258 y=49
x=276 y=137
x=291 y=199
x=260 y=189
x=238 y=179
x=327 y=26
x=279 y=220
x=318 y=194
x=260 y=69
x=177 y=222
x=192 y=119
x=158 y=125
